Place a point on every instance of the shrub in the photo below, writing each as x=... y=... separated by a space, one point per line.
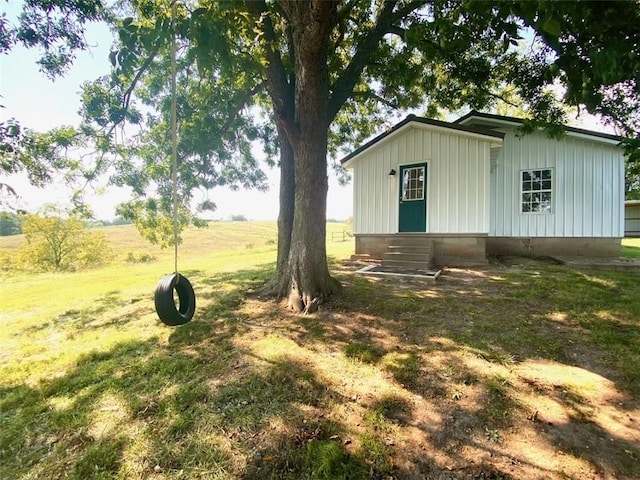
x=142 y=258
x=6 y=262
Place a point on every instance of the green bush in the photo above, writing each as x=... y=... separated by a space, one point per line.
x=142 y=258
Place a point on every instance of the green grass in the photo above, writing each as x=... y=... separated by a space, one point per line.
x=631 y=247
x=388 y=380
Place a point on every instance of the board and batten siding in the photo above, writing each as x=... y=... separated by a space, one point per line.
x=457 y=181
x=587 y=188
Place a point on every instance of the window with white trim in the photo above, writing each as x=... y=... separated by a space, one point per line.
x=537 y=191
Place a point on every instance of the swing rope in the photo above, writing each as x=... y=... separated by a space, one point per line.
x=174 y=139
x=164 y=298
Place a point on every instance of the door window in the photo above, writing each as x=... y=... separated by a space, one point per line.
x=413 y=184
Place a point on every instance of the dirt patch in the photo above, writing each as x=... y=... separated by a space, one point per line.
x=512 y=260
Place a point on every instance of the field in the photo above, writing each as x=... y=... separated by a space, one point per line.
x=631 y=247
x=519 y=371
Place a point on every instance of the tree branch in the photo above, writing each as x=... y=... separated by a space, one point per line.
x=126 y=97
x=399 y=31
x=240 y=105
x=502 y=98
x=280 y=89
x=375 y=96
x=365 y=49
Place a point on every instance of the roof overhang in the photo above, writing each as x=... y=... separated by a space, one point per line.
x=499 y=120
x=413 y=121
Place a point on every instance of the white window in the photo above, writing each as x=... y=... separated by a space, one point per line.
x=537 y=191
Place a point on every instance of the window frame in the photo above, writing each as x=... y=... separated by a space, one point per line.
x=541 y=190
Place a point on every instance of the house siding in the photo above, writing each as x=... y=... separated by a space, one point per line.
x=588 y=188
x=457 y=181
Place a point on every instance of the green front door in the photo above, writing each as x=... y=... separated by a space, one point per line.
x=413 y=198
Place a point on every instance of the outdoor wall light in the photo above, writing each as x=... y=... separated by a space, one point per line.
x=392 y=173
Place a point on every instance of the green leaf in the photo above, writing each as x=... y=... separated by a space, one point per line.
x=552 y=27
x=199 y=11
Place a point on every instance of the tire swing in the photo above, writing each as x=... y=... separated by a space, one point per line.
x=165 y=301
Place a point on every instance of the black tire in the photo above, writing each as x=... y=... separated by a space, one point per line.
x=165 y=305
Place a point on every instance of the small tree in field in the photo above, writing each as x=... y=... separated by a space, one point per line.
x=61 y=244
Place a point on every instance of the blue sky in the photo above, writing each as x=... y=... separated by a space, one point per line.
x=41 y=104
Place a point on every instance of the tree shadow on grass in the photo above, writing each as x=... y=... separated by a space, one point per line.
x=140 y=409
x=133 y=382
x=503 y=322
x=203 y=404
x=112 y=404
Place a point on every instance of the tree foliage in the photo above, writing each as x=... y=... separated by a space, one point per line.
x=10 y=224
x=59 y=154
x=54 y=243
x=56 y=28
x=632 y=179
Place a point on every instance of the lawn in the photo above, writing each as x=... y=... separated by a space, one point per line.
x=631 y=247
x=507 y=372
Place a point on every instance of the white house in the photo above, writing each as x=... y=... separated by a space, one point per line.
x=474 y=188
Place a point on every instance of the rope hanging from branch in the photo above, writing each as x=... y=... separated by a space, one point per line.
x=165 y=303
x=174 y=138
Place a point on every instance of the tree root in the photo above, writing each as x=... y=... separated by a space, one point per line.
x=297 y=301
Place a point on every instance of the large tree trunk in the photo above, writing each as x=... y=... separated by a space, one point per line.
x=287 y=203
x=306 y=274
x=309 y=281
x=279 y=284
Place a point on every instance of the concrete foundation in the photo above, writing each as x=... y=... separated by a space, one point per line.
x=448 y=250
x=472 y=250
x=560 y=246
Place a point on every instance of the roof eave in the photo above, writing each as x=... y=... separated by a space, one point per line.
x=607 y=138
x=496 y=138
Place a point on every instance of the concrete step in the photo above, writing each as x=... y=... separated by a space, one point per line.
x=363 y=257
x=421 y=249
x=407 y=256
x=407 y=264
x=411 y=241
x=409 y=252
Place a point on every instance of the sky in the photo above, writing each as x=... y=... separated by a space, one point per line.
x=41 y=104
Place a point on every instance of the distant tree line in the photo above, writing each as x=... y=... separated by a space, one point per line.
x=110 y=223
x=11 y=223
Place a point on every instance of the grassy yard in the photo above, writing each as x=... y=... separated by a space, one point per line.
x=507 y=372
x=631 y=247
